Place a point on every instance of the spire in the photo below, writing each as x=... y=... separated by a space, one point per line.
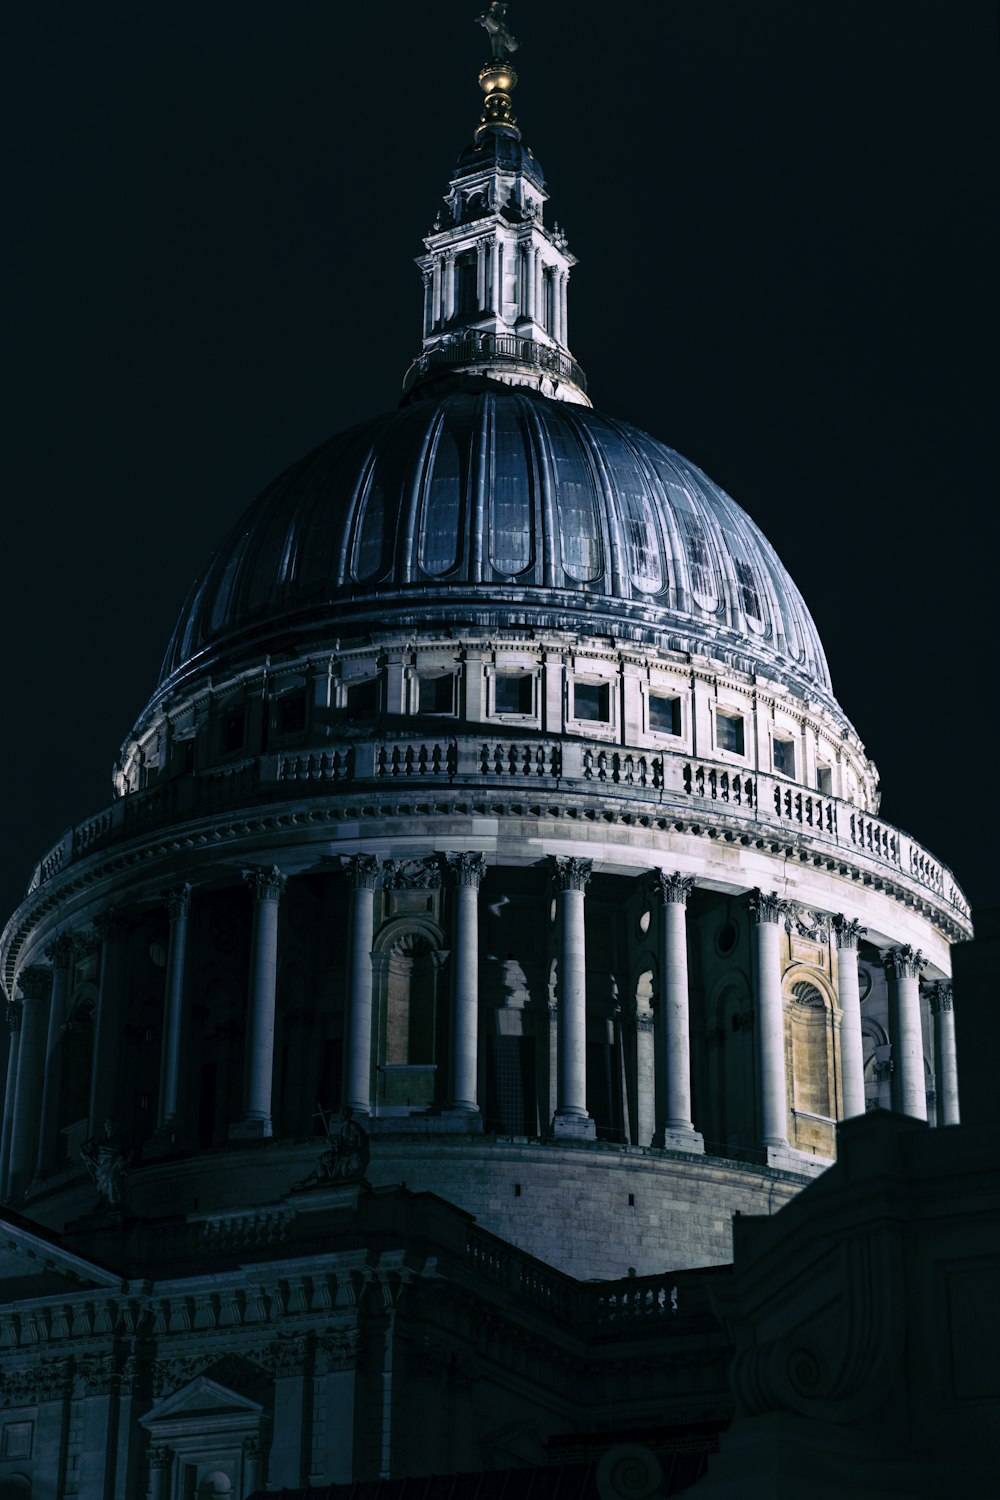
x=495 y=273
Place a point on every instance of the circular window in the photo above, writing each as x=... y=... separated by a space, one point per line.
x=864 y=982
x=158 y=953
x=644 y=923
x=552 y=910
x=727 y=938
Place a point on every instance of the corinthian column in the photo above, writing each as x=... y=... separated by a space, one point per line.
x=62 y=955
x=362 y=878
x=902 y=967
x=467 y=871
x=258 y=1072
x=178 y=904
x=944 y=1053
x=571 y=1118
x=852 y=1057
x=673 y=1126
x=36 y=986
x=766 y=913
x=14 y=1023
x=113 y=930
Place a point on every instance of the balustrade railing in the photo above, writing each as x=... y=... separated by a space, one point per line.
x=742 y=801
x=495 y=348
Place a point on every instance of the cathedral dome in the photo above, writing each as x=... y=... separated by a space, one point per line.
x=492 y=507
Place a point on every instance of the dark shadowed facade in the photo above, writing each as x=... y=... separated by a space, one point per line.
x=493 y=904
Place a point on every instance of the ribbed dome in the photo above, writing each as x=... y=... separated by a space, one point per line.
x=493 y=507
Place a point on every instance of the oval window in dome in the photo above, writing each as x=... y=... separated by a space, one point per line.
x=441 y=506
x=512 y=495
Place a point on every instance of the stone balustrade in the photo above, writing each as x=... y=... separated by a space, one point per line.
x=736 y=805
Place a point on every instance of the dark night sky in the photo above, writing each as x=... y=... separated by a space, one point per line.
x=786 y=221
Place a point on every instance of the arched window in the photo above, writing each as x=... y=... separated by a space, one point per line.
x=812 y=1081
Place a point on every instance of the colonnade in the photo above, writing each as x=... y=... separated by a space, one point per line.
x=663 y=1036
x=542 y=290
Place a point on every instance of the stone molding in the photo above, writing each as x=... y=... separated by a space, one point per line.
x=571 y=873
x=903 y=963
x=767 y=908
x=672 y=889
x=266 y=884
x=466 y=869
x=848 y=931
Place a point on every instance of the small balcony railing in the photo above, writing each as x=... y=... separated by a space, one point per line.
x=499 y=349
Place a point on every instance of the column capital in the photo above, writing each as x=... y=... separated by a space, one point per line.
x=672 y=889
x=112 y=926
x=465 y=869
x=266 y=884
x=571 y=873
x=764 y=908
x=644 y=1020
x=883 y=1070
x=848 y=931
x=177 y=900
x=904 y=962
x=35 y=982
x=940 y=997
x=64 y=950
x=361 y=871
x=14 y=1012
x=158 y=1457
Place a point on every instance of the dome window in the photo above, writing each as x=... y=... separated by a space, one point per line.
x=234 y=731
x=513 y=693
x=664 y=714
x=592 y=701
x=436 y=695
x=729 y=732
x=784 y=756
x=824 y=780
x=292 y=713
x=362 y=699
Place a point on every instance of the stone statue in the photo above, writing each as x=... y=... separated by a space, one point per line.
x=105 y=1159
x=494 y=22
x=347 y=1151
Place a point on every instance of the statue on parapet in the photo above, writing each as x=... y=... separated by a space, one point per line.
x=494 y=22
x=347 y=1150
x=106 y=1159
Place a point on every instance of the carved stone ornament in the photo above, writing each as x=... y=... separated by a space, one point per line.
x=411 y=875
x=466 y=869
x=672 y=888
x=764 y=908
x=64 y=950
x=883 y=1071
x=158 y=1456
x=361 y=871
x=35 y=982
x=571 y=874
x=177 y=901
x=644 y=1020
x=941 y=998
x=904 y=962
x=267 y=885
x=814 y=925
x=848 y=931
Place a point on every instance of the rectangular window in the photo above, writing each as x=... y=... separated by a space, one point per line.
x=592 y=700
x=362 y=699
x=664 y=714
x=729 y=732
x=292 y=713
x=512 y=694
x=234 y=730
x=824 y=780
x=784 y=757
x=437 y=694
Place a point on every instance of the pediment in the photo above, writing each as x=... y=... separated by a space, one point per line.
x=201 y=1397
x=34 y=1264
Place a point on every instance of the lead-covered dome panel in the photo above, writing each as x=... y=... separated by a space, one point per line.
x=497 y=507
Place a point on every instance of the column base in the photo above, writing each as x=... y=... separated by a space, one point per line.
x=786 y=1158
x=680 y=1138
x=574 y=1127
x=251 y=1130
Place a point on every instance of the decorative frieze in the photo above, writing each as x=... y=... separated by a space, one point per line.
x=814 y=925
x=411 y=875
